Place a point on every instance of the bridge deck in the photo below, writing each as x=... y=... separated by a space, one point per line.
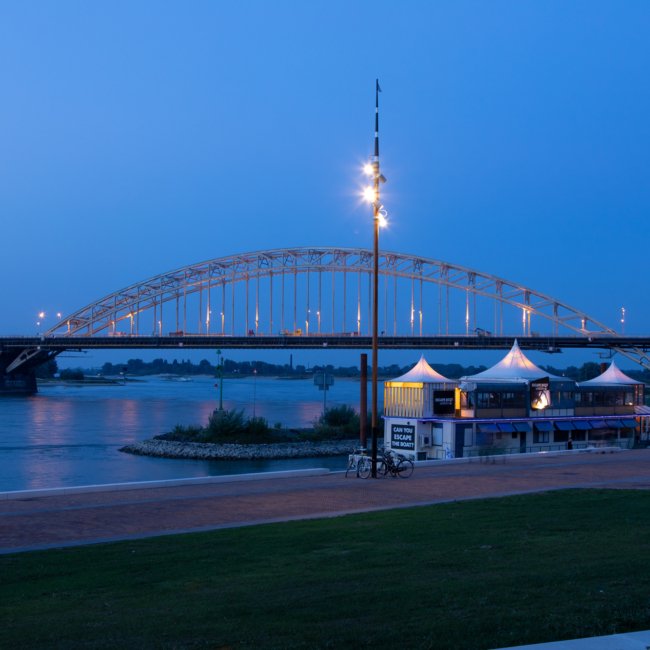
x=196 y=341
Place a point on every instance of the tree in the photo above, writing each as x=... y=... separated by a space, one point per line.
x=47 y=370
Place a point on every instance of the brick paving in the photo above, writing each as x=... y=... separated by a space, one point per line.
x=40 y=522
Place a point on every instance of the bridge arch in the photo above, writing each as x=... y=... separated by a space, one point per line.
x=310 y=290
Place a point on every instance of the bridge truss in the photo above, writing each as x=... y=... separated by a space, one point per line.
x=327 y=292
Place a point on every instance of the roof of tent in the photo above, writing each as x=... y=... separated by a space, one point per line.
x=514 y=367
x=424 y=373
x=613 y=376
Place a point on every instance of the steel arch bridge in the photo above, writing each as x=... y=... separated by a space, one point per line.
x=327 y=292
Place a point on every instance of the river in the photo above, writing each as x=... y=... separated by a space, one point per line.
x=70 y=435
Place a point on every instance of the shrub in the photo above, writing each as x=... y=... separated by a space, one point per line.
x=223 y=424
x=230 y=427
x=233 y=426
x=257 y=427
x=181 y=433
x=337 y=422
x=71 y=373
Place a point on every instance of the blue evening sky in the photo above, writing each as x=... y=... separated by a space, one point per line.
x=137 y=137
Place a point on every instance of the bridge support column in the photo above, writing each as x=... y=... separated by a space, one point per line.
x=18 y=370
x=23 y=383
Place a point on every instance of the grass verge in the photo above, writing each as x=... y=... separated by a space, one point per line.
x=476 y=574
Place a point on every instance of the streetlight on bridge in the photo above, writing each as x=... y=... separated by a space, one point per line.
x=371 y=195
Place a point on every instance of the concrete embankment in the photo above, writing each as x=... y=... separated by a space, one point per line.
x=209 y=451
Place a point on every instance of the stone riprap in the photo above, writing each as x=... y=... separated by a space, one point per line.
x=210 y=451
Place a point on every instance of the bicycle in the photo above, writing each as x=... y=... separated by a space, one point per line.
x=359 y=463
x=394 y=464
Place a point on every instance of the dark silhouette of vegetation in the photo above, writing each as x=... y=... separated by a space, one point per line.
x=585 y=372
x=72 y=374
x=229 y=427
x=138 y=367
x=337 y=423
x=232 y=426
x=47 y=370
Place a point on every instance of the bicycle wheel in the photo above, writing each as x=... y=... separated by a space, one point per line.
x=364 y=467
x=382 y=469
x=405 y=468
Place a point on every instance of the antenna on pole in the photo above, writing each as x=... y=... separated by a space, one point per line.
x=377 y=91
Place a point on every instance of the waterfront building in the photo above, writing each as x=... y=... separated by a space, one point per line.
x=512 y=407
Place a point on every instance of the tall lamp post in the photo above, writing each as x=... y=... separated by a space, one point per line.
x=379 y=217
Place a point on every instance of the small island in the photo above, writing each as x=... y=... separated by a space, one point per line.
x=229 y=435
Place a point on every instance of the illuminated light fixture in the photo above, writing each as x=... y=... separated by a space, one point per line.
x=41 y=314
x=622 y=320
x=383 y=220
x=540 y=394
x=369 y=194
x=368 y=169
x=541 y=402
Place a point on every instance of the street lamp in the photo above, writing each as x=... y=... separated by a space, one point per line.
x=622 y=320
x=371 y=194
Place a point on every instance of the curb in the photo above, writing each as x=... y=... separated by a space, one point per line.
x=145 y=485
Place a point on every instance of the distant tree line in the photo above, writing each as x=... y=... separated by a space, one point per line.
x=139 y=368
x=591 y=369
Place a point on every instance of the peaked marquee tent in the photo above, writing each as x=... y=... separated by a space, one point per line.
x=412 y=394
x=514 y=367
x=613 y=377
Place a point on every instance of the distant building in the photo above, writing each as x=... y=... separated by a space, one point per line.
x=512 y=407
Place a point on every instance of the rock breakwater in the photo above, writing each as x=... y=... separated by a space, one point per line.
x=230 y=451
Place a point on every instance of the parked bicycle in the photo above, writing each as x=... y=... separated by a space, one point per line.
x=394 y=464
x=359 y=464
x=388 y=463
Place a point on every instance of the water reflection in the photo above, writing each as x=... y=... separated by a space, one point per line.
x=70 y=435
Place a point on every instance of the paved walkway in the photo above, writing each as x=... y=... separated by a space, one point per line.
x=29 y=521
x=628 y=641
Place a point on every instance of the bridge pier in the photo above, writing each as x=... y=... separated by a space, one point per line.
x=18 y=369
x=23 y=383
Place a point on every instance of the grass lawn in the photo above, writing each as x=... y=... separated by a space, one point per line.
x=476 y=574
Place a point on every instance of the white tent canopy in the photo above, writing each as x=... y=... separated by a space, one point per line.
x=422 y=372
x=412 y=395
x=514 y=367
x=613 y=376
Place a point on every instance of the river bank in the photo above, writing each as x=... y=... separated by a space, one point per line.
x=231 y=451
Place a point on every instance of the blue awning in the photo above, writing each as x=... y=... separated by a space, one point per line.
x=544 y=426
x=524 y=427
x=506 y=427
x=617 y=424
x=564 y=426
x=629 y=423
x=581 y=425
x=488 y=427
x=598 y=424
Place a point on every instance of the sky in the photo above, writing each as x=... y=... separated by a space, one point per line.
x=138 y=137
